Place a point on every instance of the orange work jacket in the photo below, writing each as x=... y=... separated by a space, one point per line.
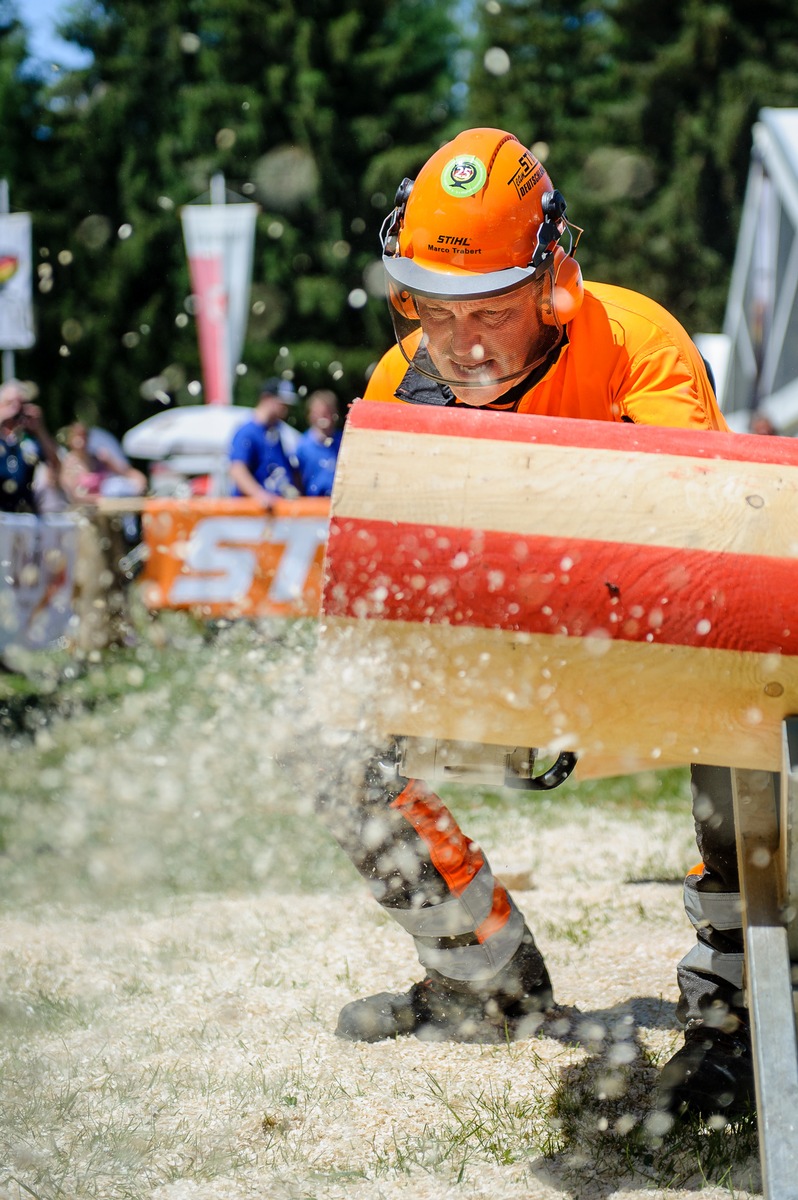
x=626 y=358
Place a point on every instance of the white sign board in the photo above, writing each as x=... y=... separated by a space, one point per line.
x=16 y=282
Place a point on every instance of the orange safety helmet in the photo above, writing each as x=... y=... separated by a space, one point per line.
x=482 y=219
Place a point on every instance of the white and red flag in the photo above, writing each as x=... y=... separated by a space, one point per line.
x=219 y=243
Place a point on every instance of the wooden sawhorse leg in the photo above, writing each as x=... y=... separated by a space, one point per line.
x=767 y=828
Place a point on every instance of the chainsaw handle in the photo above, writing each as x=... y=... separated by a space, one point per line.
x=557 y=773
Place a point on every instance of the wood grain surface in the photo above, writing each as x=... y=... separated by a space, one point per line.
x=623 y=591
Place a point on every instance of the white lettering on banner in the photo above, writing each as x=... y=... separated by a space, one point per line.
x=302 y=538
x=221 y=558
x=221 y=572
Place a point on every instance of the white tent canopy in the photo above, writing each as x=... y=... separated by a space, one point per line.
x=193 y=429
x=194 y=439
x=191 y=440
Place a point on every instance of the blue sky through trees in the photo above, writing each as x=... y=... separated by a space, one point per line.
x=40 y=18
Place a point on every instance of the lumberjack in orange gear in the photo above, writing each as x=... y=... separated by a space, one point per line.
x=490 y=310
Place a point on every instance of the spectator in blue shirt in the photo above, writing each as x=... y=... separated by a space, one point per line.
x=318 y=447
x=262 y=455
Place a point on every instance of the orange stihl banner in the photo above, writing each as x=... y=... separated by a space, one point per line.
x=617 y=590
x=228 y=558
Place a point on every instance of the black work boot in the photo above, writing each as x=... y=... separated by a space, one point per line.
x=439 y=1009
x=713 y=1074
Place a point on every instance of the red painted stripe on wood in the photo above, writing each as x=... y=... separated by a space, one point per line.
x=591 y=435
x=533 y=584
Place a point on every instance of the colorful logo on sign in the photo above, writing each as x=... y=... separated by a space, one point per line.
x=8 y=267
x=464 y=175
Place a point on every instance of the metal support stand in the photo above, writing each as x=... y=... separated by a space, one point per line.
x=767 y=857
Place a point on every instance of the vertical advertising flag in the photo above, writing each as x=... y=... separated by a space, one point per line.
x=16 y=282
x=219 y=243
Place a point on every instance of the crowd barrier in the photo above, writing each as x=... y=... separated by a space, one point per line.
x=63 y=575
x=38 y=573
x=229 y=558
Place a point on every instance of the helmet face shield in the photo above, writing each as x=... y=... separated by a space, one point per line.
x=478 y=346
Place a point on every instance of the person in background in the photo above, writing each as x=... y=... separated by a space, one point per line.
x=95 y=465
x=25 y=445
x=317 y=452
x=762 y=424
x=490 y=311
x=262 y=455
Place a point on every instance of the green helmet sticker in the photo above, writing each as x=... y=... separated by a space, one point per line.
x=464 y=175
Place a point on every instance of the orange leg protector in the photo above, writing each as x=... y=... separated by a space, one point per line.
x=429 y=876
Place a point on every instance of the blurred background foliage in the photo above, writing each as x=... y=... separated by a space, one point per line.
x=317 y=109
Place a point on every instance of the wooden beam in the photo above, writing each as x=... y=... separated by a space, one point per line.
x=621 y=591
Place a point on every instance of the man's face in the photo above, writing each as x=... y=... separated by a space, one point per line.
x=12 y=402
x=321 y=416
x=272 y=408
x=485 y=344
x=77 y=436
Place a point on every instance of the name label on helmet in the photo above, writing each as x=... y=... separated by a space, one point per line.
x=529 y=172
x=461 y=245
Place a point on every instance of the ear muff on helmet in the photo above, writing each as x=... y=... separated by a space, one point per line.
x=403 y=301
x=567 y=289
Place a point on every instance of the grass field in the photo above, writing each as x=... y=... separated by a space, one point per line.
x=178 y=933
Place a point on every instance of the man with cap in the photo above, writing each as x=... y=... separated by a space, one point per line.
x=262 y=455
x=490 y=311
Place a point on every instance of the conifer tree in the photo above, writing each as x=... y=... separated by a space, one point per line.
x=646 y=108
x=19 y=93
x=313 y=108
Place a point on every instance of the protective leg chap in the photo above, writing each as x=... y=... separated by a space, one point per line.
x=713 y=1072
x=710 y=976
x=480 y=958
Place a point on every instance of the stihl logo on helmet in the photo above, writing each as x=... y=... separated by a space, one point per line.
x=528 y=174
